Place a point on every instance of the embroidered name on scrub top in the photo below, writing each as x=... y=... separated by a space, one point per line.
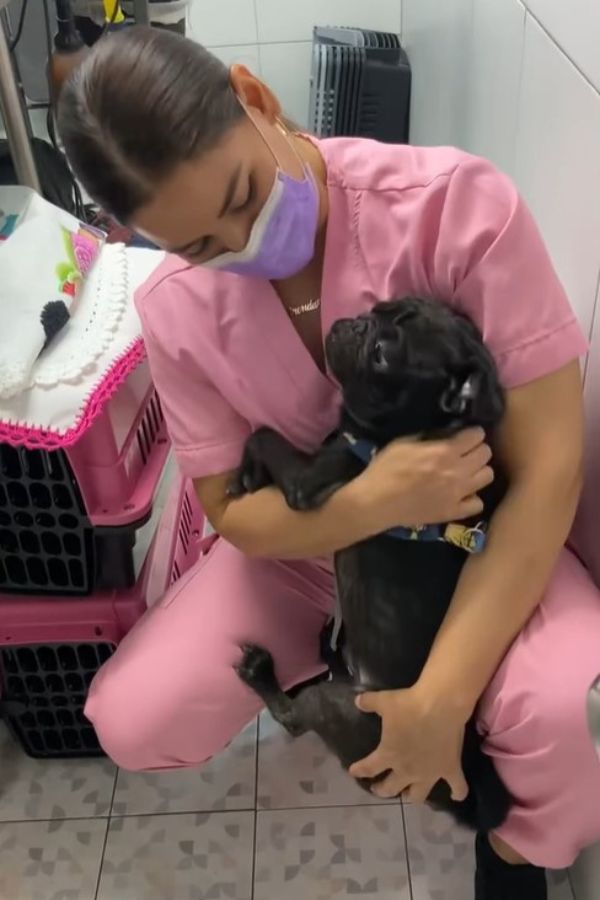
x=470 y=538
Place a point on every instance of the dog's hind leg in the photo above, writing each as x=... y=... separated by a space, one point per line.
x=327 y=708
x=257 y=670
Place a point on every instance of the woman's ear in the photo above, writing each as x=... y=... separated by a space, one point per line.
x=253 y=93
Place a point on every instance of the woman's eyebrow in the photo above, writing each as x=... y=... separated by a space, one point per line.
x=229 y=195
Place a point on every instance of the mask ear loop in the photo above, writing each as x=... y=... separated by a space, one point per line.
x=287 y=135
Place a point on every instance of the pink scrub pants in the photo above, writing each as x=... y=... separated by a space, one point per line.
x=169 y=696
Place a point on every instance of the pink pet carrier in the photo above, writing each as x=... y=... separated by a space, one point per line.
x=69 y=516
x=51 y=647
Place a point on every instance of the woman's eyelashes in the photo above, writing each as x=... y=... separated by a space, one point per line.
x=248 y=199
x=207 y=248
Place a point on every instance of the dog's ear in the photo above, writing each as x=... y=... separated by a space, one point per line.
x=383 y=356
x=475 y=393
x=460 y=394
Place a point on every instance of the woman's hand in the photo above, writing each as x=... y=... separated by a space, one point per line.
x=421 y=743
x=414 y=483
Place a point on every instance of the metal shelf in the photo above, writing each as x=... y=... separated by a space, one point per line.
x=13 y=114
x=12 y=106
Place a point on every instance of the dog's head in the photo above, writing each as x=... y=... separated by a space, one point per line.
x=414 y=367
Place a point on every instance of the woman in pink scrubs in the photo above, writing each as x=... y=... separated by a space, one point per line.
x=273 y=236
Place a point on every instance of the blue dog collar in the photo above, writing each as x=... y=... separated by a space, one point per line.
x=468 y=538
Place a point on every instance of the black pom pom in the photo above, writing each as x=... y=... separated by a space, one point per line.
x=54 y=316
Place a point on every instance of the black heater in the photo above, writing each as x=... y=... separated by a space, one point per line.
x=360 y=85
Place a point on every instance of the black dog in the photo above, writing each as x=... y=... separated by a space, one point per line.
x=409 y=368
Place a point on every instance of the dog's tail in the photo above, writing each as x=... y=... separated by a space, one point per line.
x=257 y=670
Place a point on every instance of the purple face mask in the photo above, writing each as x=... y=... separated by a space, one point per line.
x=282 y=240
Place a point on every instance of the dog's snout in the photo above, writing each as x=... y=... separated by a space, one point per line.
x=342 y=325
x=362 y=324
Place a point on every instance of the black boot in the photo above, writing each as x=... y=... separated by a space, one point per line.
x=497 y=880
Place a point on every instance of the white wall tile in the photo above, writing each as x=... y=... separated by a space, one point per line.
x=286 y=69
x=300 y=17
x=558 y=164
x=494 y=80
x=437 y=39
x=575 y=26
x=222 y=22
x=246 y=54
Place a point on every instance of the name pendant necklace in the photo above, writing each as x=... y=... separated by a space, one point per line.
x=308 y=307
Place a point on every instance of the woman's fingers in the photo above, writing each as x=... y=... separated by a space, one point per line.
x=370 y=701
x=369 y=767
x=418 y=793
x=477 y=459
x=469 y=507
x=482 y=479
x=467 y=441
x=390 y=787
x=458 y=785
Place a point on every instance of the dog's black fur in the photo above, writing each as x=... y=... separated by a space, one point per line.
x=409 y=367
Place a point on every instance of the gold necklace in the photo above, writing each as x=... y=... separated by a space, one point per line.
x=311 y=306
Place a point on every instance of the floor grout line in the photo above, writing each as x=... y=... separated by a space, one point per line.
x=405 y=832
x=256 y=769
x=276 y=809
x=105 y=842
x=47 y=820
x=201 y=812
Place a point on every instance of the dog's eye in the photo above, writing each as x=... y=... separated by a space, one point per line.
x=378 y=356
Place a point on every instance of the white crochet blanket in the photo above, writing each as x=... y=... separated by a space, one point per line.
x=46 y=255
x=87 y=361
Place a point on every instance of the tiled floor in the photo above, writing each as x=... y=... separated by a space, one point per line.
x=271 y=819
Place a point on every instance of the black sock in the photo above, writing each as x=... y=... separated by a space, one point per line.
x=498 y=880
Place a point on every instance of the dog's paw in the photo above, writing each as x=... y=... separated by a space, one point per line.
x=251 y=475
x=256 y=665
x=294 y=494
x=302 y=495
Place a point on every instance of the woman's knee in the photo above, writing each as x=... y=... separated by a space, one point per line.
x=142 y=725
x=126 y=724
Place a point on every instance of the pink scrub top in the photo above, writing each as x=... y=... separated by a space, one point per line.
x=403 y=220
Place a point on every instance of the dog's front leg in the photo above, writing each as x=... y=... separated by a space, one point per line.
x=305 y=480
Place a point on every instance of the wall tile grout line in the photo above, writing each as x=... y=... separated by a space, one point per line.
x=258 y=53
x=256 y=22
x=592 y=325
x=515 y=140
x=258 y=44
x=559 y=47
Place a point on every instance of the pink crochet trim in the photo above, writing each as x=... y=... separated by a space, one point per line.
x=43 y=439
